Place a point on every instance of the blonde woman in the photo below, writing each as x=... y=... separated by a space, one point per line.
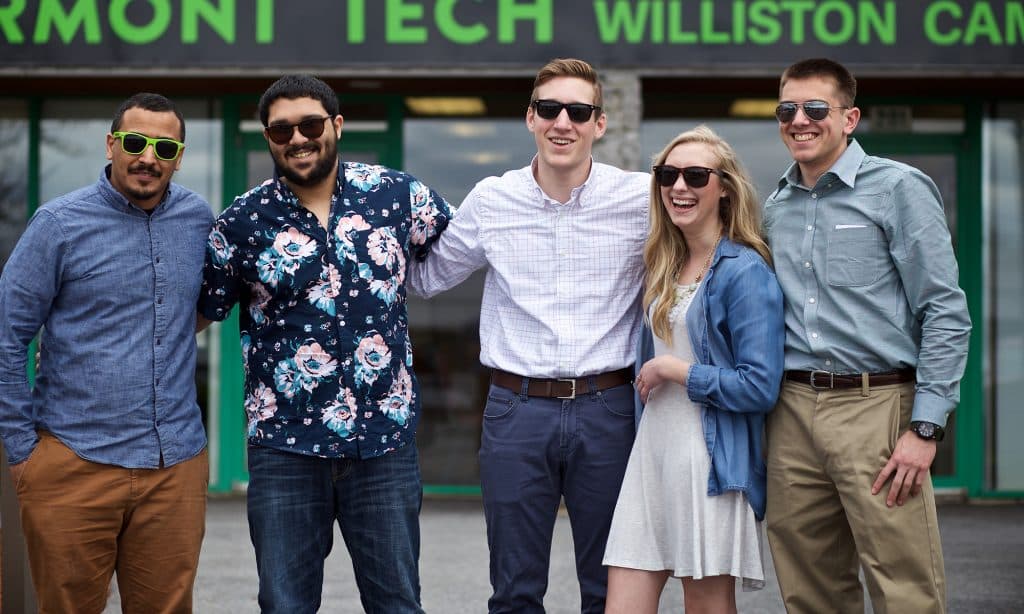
x=693 y=497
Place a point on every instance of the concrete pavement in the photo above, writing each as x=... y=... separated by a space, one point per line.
x=983 y=546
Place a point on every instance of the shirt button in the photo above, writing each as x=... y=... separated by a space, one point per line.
x=809 y=227
x=807 y=265
x=158 y=342
x=814 y=195
x=814 y=335
x=811 y=300
x=828 y=362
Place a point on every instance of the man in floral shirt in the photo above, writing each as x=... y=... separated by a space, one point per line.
x=316 y=257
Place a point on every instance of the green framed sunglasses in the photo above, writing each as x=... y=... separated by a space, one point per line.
x=133 y=143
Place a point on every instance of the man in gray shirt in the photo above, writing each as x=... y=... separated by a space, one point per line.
x=876 y=342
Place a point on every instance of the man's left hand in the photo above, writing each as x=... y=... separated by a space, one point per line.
x=908 y=466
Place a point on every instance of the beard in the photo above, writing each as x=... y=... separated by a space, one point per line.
x=322 y=170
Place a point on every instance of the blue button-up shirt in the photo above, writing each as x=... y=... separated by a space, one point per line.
x=324 y=328
x=114 y=289
x=867 y=267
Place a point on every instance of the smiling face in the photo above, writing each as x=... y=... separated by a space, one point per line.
x=565 y=147
x=694 y=211
x=816 y=145
x=143 y=178
x=303 y=161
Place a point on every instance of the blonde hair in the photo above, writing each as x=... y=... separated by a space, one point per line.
x=568 y=67
x=665 y=251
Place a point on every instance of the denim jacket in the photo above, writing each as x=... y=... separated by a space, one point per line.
x=736 y=329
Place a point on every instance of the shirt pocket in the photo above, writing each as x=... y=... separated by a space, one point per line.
x=857 y=255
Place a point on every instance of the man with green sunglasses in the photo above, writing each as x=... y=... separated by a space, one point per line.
x=108 y=451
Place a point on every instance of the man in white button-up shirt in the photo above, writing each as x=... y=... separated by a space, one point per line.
x=563 y=238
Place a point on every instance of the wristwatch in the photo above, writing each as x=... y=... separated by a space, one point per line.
x=927 y=430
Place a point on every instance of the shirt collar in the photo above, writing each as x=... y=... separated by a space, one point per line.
x=574 y=195
x=845 y=168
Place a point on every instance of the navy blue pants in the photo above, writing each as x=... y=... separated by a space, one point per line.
x=533 y=452
x=293 y=503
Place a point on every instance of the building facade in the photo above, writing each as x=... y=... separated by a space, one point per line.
x=439 y=88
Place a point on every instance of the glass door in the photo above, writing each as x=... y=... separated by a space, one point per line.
x=943 y=158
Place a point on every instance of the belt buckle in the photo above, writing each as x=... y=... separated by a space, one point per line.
x=572 y=394
x=831 y=380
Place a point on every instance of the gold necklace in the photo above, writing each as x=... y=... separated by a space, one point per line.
x=707 y=261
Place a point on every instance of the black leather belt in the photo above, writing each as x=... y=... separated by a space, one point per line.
x=825 y=380
x=567 y=388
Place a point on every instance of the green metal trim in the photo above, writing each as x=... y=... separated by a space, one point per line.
x=971 y=451
x=229 y=436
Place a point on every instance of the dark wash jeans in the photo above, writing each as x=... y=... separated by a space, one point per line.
x=293 y=502
x=533 y=452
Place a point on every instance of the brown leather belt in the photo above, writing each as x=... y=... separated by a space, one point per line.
x=824 y=380
x=568 y=388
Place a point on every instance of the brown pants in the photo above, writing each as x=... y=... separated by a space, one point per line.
x=84 y=520
x=825 y=450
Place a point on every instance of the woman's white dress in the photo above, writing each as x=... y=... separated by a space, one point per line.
x=664 y=518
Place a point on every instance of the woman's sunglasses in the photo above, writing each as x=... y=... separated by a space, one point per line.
x=133 y=144
x=578 y=112
x=815 y=110
x=694 y=176
x=311 y=128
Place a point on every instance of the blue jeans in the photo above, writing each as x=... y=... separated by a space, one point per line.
x=293 y=502
x=533 y=452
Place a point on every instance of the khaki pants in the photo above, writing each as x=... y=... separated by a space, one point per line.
x=83 y=520
x=825 y=450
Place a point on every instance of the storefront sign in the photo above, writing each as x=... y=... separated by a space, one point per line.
x=699 y=36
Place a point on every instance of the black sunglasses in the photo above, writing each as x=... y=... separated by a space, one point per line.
x=815 y=110
x=579 y=112
x=133 y=143
x=311 y=128
x=694 y=176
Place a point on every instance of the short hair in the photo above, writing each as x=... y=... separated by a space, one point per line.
x=846 y=85
x=298 y=86
x=149 y=102
x=568 y=67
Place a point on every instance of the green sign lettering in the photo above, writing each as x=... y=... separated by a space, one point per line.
x=931 y=22
x=847 y=22
x=450 y=28
x=540 y=12
x=797 y=8
x=221 y=19
x=398 y=13
x=764 y=21
x=676 y=33
x=982 y=24
x=624 y=21
x=8 y=21
x=871 y=21
x=52 y=15
x=356 y=21
x=1014 y=23
x=264 y=21
x=139 y=35
x=708 y=35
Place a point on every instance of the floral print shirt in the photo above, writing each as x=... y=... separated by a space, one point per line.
x=323 y=321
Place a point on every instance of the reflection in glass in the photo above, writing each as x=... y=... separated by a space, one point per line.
x=13 y=175
x=1004 y=207
x=451 y=155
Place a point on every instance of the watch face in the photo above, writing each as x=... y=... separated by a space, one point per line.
x=926 y=430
